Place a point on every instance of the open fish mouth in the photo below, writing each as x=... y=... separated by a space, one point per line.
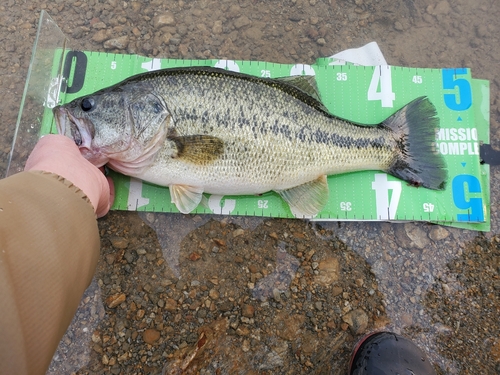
x=71 y=127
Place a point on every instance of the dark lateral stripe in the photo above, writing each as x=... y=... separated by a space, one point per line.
x=305 y=134
x=320 y=136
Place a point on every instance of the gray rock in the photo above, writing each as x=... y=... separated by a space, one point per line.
x=241 y=22
x=100 y=36
x=129 y=256
x=357 y=321
x=417 y=235
x=438 y=233
x=164 y=19
x=117 y=43
x=119 y=242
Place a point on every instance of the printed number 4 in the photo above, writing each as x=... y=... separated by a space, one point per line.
x=386 y=203
x=382 y=78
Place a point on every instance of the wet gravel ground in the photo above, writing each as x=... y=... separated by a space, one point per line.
x=226 y=295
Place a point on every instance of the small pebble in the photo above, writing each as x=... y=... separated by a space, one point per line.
x=115 y=300
x=150 y=336
x=119 y=242
x=248 y=311
x=117 y=43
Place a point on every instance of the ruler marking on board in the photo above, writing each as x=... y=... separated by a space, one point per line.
x=358 y=78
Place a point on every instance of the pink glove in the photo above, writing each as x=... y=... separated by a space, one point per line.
x=58 y=154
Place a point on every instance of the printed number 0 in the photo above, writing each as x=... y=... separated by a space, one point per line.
x=75 y=68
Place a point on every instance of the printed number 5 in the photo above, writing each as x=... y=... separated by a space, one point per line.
x=113 y=65
x=463 y=99
x=474 y=206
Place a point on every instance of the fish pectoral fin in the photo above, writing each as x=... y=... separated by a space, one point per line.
x=186 y=198
x=308 y=199
x=197 y=149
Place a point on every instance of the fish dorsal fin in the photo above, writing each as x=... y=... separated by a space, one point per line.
x=198 y=149
x=308 y=199
x=307 y=85
x=186 y=198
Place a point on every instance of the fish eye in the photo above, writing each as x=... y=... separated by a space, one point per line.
x=87 y=104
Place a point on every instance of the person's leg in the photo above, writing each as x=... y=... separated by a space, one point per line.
x=384 y=353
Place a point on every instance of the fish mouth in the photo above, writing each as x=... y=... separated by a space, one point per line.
x=72 y=127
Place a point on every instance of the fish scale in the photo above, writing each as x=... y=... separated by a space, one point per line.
x=300 y=132
x=209 y=130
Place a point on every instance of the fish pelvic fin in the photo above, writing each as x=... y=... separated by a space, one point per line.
x=417 y=160
x=308 y=199
x=186 y=198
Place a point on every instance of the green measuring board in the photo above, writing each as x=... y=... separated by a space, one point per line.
x=362 y=94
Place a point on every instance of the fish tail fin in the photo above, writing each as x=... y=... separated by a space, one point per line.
x=417 y=160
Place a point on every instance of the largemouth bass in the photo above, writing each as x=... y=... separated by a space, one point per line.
x=204 y=129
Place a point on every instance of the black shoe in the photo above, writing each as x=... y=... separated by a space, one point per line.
x=385 y=353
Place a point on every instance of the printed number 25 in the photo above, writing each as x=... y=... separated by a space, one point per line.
x=461 y=100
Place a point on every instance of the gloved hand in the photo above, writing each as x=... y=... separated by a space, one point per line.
x=58 y=154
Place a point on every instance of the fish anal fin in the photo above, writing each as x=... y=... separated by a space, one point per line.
x=308 y=199
x=186 y=198
x=198 y=149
